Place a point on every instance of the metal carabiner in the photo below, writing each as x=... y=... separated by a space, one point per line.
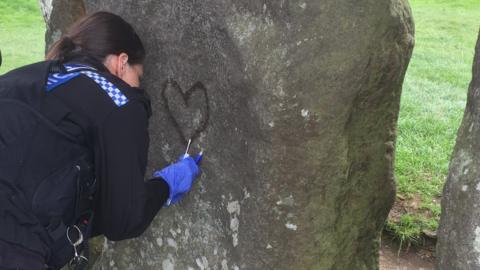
x=80 y=236
x=77 y=259
x=78 y=262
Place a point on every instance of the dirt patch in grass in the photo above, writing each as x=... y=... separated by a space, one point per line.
x=410 y=220
x=420 y=257
x=412 y=205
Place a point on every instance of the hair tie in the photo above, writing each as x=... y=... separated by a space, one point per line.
x=68 y=42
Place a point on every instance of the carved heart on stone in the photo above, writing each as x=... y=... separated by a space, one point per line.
x=188 y=110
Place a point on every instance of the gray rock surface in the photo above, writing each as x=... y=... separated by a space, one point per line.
x=59 y=15
x=458 y=246
x=297 y=119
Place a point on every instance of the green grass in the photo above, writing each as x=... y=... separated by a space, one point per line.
x=408 y=228
x=432 y=105
x=22 y=33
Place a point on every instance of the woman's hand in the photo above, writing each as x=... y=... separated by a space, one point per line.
x=179 y=176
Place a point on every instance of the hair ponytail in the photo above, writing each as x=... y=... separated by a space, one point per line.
x=61 y=49
x=99 y=35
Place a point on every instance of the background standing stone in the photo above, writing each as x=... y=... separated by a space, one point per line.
x=59 y=15
x=303 y=99
x=458 y=246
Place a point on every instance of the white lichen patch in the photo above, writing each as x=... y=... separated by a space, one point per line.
x=205 y=262
x=291 y=226
x=202 y=262
x=233 y=209
x=198 y=117
x=165 y=150
x=234 y=223
x=105 y=244
x=464 y=188
x=199 y=263
x=288 y=201
x=169 y=263
x=224 y=264
x=172 y=243
x=465 y=161
x=269 y=246
x=305 y=113
x=303 y=5
x=476 y=242
x=186 y=235
x=279 y=90
x=478 y=186
x=244 y=27
x=246 y=194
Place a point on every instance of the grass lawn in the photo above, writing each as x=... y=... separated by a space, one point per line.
x=22 y=33
x=433 y=100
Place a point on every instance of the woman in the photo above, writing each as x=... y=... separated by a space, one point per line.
x=87 y=122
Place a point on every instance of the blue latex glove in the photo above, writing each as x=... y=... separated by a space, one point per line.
x=179 y=177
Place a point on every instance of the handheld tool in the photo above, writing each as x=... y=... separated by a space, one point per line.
x=198 y=158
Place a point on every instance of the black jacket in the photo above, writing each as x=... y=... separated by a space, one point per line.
x=125 y=204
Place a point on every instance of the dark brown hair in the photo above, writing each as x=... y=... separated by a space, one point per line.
x=98 y=35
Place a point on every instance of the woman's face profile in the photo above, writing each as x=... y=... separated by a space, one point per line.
x=132 y=74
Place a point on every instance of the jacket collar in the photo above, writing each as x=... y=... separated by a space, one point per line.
x=87 y=60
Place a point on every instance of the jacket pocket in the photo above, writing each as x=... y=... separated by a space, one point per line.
x=56 y=196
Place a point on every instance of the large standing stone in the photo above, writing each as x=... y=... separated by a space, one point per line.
x=60 y=15
x=458 y=246
x=295 y=103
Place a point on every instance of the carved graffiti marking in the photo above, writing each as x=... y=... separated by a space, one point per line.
x=188 y=110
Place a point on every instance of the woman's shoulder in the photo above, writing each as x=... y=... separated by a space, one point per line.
x=96 y=74
x=122 y=93
x=99 y=95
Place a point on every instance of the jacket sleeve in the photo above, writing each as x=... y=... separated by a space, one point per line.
x=125 y=203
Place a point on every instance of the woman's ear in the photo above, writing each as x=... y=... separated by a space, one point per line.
x=122 y=64
x=116 y=64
